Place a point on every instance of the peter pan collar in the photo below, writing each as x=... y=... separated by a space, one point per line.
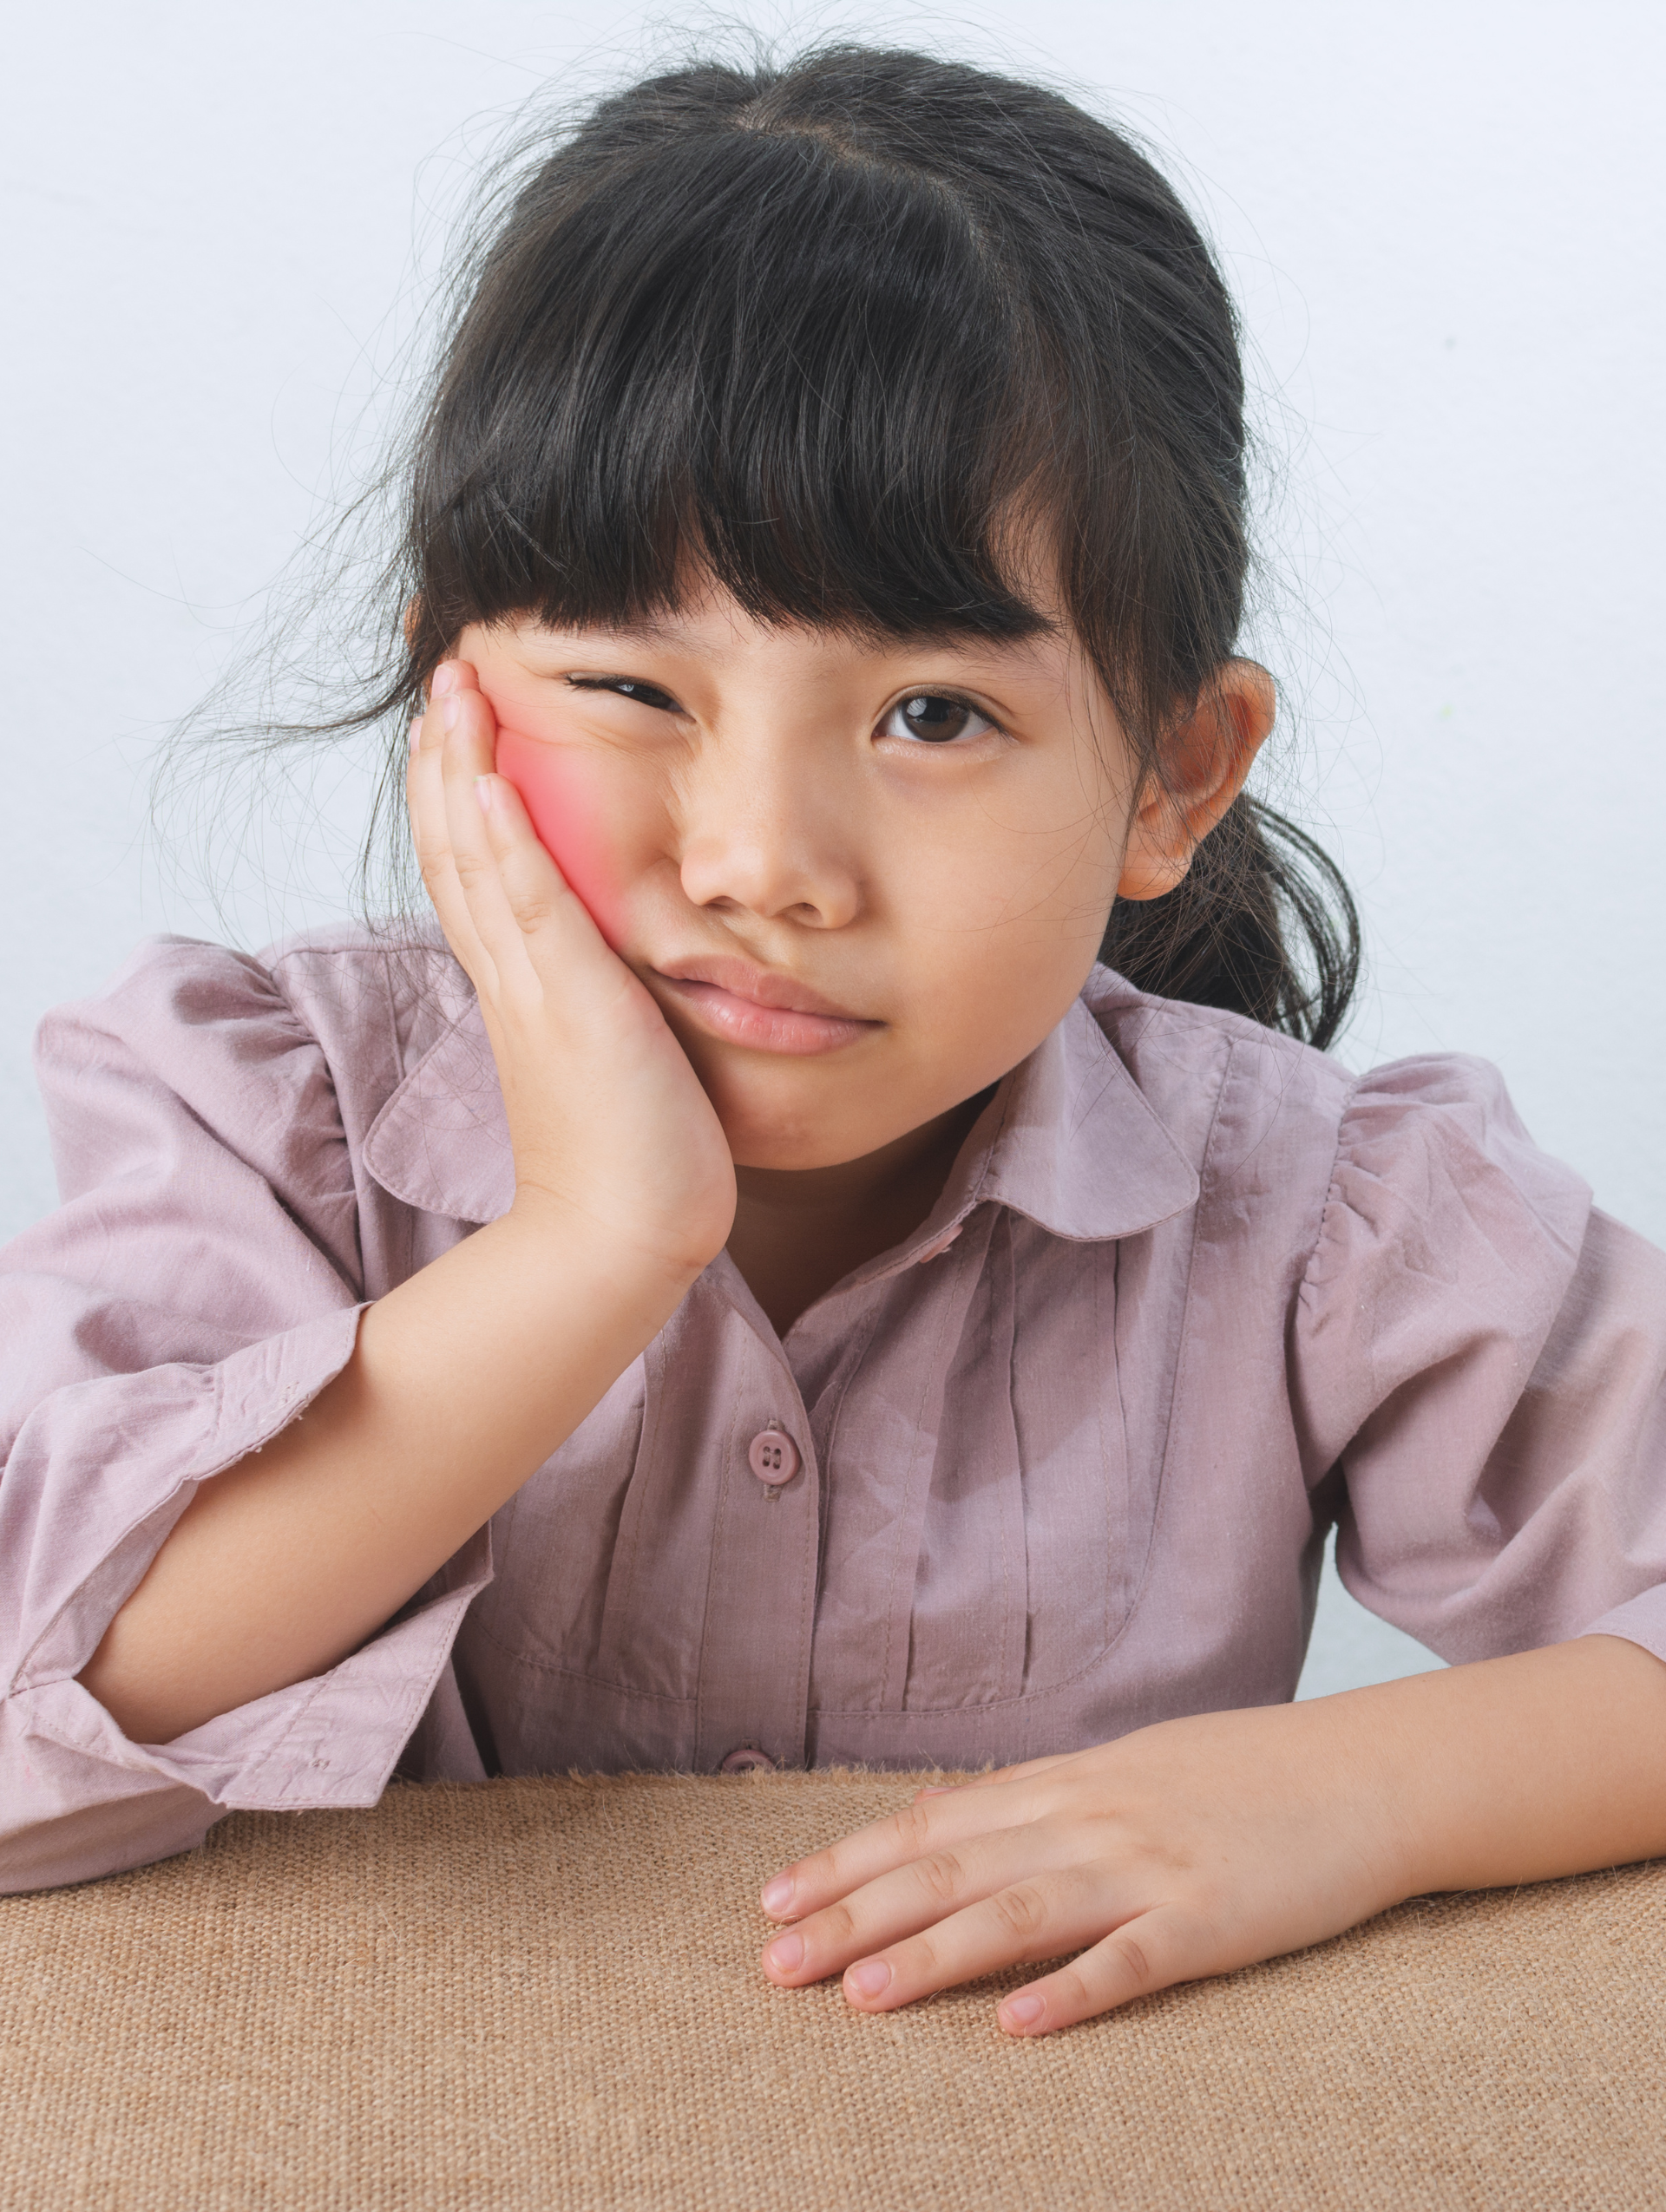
x=441 y=1141
x=1075 y=1146
x=1068 y=1139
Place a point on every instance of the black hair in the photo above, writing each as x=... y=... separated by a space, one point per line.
x=837 y=334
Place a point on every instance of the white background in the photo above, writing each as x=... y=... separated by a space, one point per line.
x=1445 y=227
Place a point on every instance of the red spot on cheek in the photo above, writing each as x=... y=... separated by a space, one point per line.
x=561 y=791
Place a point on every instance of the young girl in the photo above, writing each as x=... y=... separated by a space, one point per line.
x=840 y=1247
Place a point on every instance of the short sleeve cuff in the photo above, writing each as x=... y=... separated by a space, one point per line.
x=331 y=1741
x=1640 y=1620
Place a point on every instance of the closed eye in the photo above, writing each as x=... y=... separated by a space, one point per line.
x=629 y=687
x=935 y=718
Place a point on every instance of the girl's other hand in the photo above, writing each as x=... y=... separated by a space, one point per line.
x=606 y=1116
x=1187 y=1849
x=1202 y=1844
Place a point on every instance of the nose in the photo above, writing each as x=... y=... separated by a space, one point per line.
x=766 y=832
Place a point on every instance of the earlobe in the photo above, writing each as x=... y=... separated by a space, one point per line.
x=1206 y=760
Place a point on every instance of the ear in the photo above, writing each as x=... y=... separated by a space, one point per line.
x=1205 y=761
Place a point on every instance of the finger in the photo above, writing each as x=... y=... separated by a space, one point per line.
x=534 y=897
x=454 y=695
x=929 y=1890
x=467 y=785
x=431 y=831
x=1151 y=1951
x=513 y=920
x=449 y=680
x=1039 y=1916
x=947 y=1817
x=995 y=1775
x=514 y=889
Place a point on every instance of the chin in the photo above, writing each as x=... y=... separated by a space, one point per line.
x=788 y=1153
x=772 y=1116
x=790 y=1142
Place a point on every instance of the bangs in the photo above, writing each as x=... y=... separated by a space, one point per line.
x=752 y=358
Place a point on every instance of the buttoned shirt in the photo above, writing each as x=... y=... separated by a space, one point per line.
x=1060 y=1465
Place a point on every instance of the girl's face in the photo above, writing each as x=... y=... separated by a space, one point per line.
x=862 y=880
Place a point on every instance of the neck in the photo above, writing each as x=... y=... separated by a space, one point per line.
x=798 y=1231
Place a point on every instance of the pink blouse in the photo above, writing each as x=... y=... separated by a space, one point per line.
x=1059 y=1465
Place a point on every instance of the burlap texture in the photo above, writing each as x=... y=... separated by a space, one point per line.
x=546 y=1993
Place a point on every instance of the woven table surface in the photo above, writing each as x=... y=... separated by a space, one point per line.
x=546 y=1992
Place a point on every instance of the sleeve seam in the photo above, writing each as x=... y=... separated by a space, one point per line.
x=1332 y=1197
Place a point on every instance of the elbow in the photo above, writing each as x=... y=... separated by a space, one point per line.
x=144 y=1710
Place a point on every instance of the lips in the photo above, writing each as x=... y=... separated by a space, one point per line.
x=741 y=980
x=749 y=1006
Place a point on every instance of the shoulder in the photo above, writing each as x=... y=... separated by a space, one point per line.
x=1225 y=1087
x=352 y=995
x=1436 y=1172
x=1407 y=1155
x=406 y=972
x=297 y=1046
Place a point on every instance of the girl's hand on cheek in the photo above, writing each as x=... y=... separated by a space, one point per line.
x=606 y=1116
x=1186 y=1849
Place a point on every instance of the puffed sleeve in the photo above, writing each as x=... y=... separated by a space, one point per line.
x=197 y=1287
x=1482 y=1354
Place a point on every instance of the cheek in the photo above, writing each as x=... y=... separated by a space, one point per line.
x=578 y=818
x=1018 y=891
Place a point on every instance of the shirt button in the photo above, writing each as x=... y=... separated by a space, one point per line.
x=747 y=1761
x=773 y=1457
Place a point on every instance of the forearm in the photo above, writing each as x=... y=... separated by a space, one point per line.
x=462 y=1382
x=1514 y=1769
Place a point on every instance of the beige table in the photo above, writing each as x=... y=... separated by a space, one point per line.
x=546 y=1993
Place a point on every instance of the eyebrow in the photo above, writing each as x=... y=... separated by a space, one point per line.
x=650 y=629
x=644 y=631
x=977 y=641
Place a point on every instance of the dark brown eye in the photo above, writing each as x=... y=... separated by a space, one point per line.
x=629 y=687
x=935 y=717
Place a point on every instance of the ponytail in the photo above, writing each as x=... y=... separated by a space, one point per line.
x=1263 y=924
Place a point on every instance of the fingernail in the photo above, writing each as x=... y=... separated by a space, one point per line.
x=778 y=1895
x=869 y=1978
x=483 y=792
x=1022 y=2012
x=940 y=1791
x=450 y=708
x=786 y=1953
x=416 y=733
x=445 y=678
